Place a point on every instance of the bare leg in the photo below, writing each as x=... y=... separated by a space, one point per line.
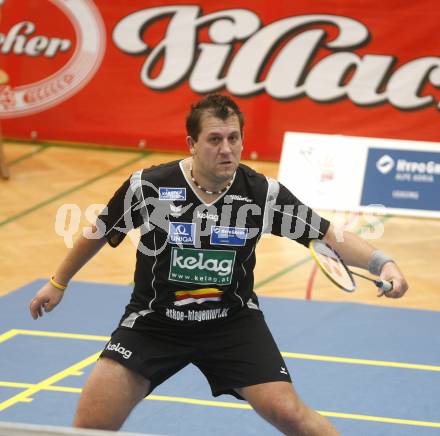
x=110 y=394
x=279 y=404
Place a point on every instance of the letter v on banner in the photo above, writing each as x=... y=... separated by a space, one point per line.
x=302 y=66
x=290 y=75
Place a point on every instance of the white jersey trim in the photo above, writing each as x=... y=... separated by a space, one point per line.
x=273 y=190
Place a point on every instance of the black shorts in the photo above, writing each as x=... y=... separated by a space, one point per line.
x=232 y=353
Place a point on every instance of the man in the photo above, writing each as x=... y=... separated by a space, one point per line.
x=193 y=299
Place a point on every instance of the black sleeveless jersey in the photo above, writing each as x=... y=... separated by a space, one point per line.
x=195 y=261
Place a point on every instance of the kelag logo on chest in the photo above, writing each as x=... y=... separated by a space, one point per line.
x=190 y=265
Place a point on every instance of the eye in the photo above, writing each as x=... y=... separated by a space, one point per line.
x=215 y=140
x=233 y=139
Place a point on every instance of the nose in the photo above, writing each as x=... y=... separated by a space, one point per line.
x=225 y=146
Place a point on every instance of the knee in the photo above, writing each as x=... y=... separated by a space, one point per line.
x=284 y=410
x=287 y=414
x=85 y=419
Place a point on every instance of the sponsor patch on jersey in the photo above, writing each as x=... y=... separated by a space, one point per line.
x=207 y=216
x=181 y=233
x=199 y=296
x=236 y=197
x=221 y=235
x=203 y=267
x=174 y=194
x=176 y=211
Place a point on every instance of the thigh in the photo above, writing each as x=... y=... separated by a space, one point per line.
x=279 y=404
x=241 y=353
x=266 y=397
x=153 y=352
x=110 y=394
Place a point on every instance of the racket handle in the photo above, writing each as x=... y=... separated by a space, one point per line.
x=384 y=285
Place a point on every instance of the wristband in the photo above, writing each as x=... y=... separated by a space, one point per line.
x=57 y=285
x=377 y=261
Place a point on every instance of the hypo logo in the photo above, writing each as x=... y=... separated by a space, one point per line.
x=57 y=51
x=221 y=235
x=428 y=167
x=385 y=164
x=413 y=184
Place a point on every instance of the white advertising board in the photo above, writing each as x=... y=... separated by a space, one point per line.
x=375 y=175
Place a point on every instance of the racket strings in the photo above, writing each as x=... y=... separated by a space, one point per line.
x=332 y=265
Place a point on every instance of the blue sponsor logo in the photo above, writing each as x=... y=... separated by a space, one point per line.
x=181 y=233
x=403 y=179
x=173 y=194
x=228 y=235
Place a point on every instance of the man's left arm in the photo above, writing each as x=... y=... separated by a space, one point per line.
x=357 y=252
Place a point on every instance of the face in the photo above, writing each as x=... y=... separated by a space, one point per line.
x=217 y=151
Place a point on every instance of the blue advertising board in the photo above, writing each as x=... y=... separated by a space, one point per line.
x=403 y=179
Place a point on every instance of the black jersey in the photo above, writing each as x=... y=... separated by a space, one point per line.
x=195 y=261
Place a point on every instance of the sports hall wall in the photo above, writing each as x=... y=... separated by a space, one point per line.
x=125 y=72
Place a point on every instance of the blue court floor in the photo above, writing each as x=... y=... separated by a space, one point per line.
x=373 y=371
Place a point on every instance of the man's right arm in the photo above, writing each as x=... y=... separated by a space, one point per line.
x=49 y=295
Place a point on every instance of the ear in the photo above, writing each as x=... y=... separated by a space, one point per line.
x=190 y=142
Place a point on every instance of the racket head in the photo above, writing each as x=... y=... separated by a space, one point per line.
x=331 y=264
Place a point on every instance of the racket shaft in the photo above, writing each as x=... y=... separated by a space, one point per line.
x=381 y=284
x=365 y=277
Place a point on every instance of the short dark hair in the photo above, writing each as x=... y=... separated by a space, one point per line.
x=219 y=106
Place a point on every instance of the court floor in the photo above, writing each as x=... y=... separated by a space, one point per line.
x=372 y=370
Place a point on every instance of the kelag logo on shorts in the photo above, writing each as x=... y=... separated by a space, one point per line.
x=221 y=235
x=181 y=233
x=190 y=265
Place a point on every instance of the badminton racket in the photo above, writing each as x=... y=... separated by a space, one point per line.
x=334 y=268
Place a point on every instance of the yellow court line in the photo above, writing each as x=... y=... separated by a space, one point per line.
x=381 y=419
x=199 y=402
x=361 y=361
x=238 y=406
x=61 y=335
x=22 y=396
x=8 y=335
x=16 y=385
x=317 y=357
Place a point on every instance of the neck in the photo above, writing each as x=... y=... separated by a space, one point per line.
x=208 y=187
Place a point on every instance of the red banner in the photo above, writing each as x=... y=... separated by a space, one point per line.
x=126 y=72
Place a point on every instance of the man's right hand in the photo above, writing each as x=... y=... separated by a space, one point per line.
x=45 y=300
